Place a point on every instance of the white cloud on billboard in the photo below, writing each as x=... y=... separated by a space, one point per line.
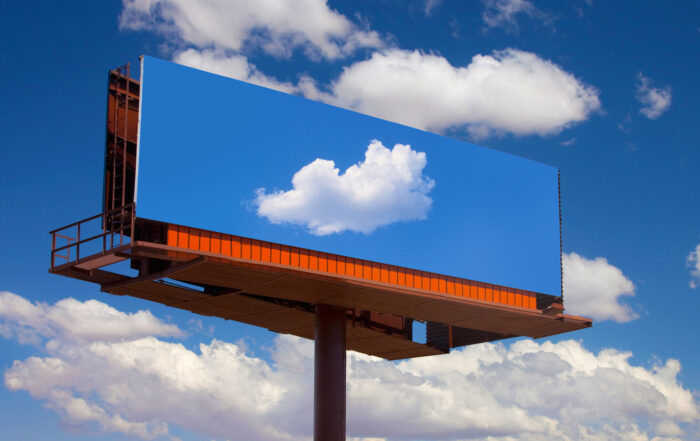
x=594 y=288
x=693 y=262
x=387 y=187
x=522 y=391
x=655 y=100
x=277 y=27
x=509 y=91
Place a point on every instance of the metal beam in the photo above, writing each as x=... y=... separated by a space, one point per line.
x=329 y=374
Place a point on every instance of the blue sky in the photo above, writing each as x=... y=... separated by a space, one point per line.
x=605 y=92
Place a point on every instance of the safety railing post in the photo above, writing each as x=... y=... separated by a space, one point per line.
x=53 y=248
x=104 y=233
x=124 y=227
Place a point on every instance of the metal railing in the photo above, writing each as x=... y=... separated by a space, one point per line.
x=117 y=230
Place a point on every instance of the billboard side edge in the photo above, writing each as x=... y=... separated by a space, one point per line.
x=142 y=60
x=561 y=237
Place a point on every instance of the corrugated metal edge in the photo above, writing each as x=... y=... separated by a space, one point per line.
x=301 y=258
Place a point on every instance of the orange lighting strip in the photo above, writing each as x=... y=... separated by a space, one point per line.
x=300 y=258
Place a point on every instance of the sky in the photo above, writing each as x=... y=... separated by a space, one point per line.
x=605 y=92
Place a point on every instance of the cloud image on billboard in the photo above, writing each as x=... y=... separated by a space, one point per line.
x=387 y=187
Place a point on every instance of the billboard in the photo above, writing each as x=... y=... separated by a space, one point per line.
x=224 y=155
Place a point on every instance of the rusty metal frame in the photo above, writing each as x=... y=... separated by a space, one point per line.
x=121 y=134
x=118 y=209
x=117 y=224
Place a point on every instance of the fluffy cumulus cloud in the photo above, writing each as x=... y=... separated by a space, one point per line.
x=73 y=320
x=508 y=91
x=231 y=65
x=594 y=287
x=654 y=100
x=504 y=13
x=387 y=187
x=524 y=391
x=278 y=28
x=693 y=262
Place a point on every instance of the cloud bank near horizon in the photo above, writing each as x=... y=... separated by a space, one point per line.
x=142 y=386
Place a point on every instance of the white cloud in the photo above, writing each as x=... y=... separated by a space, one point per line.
x=625 y=124
x=524 y=391
x=693 y=262
x=70 y=319
x=655 y=101
x=430 y=5
x=593 y=288
x=79 y=411
x=503 y=13
x=508 y=91
x=387 y=187
x=230 y=65
x=277 y=27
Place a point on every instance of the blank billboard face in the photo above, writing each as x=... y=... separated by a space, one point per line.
x=227 y=156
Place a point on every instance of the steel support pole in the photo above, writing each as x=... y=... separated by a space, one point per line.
x=329 y=374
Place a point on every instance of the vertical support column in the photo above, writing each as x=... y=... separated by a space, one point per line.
x=329 y=374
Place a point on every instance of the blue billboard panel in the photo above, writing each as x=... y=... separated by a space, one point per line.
x=224 y=155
